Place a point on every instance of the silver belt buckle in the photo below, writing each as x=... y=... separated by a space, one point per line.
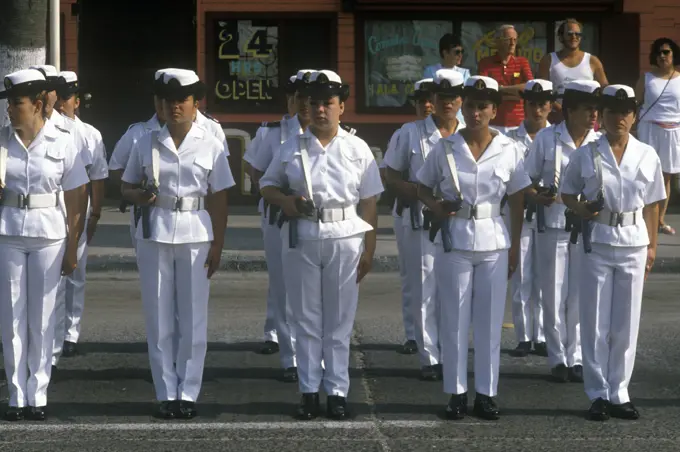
x=24 y=200
x=616 y=219
x=178 y=203
x=473 y=212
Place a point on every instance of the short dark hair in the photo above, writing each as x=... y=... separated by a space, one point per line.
x=448 y=41
x=563 y=26
x=656 y=46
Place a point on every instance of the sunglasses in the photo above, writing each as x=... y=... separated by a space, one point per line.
x=577 y=34
x=457 y=51
x=664 y=52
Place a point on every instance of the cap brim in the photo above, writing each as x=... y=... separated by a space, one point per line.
x=485 y=94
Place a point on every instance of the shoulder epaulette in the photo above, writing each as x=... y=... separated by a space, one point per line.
x=135 y=124
x=271 y=124
x=348 y=129
x=210 y=117
x=61 y=129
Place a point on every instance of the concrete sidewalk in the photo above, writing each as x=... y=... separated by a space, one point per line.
x=112 y=249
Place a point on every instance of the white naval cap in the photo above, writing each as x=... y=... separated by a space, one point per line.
x=479 y=87
x=184 y=77
x=422 y=84
x=619 y=97
x=50 y=72
x=305 y=75
x=69 y=76
x=452 y=78
x=583 y=86
x=292 y=78
x=481 y=82
x=68 y=84
x=182 y=83
x=325 y=84
x=538 y=90
x=619 y=92
x=159 y=73
x=581 y=91
x=23 y=83
x=325 y=76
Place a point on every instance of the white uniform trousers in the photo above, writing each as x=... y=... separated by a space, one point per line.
x=559 y=271
x=30 y=270
x=612 y=279
x=70 y=303
x=276 y=295
x=323 y=294
x=472 y=286
x=406 y=297
x=525 y=290
x=420 y=271
x=174 y=283
x=270 y=322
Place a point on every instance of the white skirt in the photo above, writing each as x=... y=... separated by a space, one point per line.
x=666 y=142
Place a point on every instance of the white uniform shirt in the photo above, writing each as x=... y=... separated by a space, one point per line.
x=342 y=174
x=412 y=149
x=49 y=165
x=500 y=170
x=199 y=163
x=122 y=150
x=394 y=139
x=540 y=164
x=214 y=127
x=99 y=168
x=627 y=188
x=273 y=140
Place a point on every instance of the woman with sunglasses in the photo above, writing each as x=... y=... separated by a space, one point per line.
x=475 y=253
x=626 y=174
x=659 y=125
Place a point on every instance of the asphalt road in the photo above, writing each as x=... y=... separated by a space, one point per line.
x=103 y=400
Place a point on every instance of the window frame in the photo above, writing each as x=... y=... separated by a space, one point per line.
x=284 y=27
x=550 y=18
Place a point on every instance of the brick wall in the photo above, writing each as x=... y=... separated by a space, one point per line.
x=70 y=33
x=658 y=18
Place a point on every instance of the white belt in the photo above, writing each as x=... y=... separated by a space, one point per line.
x=609 y=218
x=182 y=204
x=37 y=201
x=326 y=215
x=479 y=212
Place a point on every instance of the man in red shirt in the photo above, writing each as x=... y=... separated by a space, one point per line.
x=511 y=72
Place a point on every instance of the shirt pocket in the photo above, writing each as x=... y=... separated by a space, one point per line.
x=642 y=179
x=499 y=180
x=54 y=164
x=352 y=167
x=591 y=181
x=295 y=175
x=203 y=165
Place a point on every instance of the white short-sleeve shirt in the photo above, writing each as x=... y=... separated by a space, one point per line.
x=122 y=150
x=198 y=167
x=214 y=127
x=342 y=174
x=273 y=140
x=98 y=168
x=394 y=139
x=628 y=187
x=540 y=164
x=500 y=170
x=51 y=164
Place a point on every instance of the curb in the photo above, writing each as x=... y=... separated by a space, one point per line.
x=237 y=263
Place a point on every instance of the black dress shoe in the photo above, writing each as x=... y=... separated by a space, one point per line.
x=309 y=406
x=599 y=410
x=486 y=408
x=269 y=348
x=429 y=373
x=336 y=408
x=457 y=407
x=70 y=350
x=560 y=373
x=168 y=409
x=522 y=350
x=540 y=349
x=624 y=411
x=576 y=374
x=290 y=375
x=14 y=414
x=409 y=348
x=186 y=410
x=37 y=413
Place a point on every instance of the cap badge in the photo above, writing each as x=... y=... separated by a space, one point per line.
x=322 y=78
x=306 y=76
x=537 y=88
x=479 y=84
x=8 y=83
x=445 y=84
x=621 y=94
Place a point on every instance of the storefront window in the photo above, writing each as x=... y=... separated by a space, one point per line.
x=396 y=54
x=479 y=42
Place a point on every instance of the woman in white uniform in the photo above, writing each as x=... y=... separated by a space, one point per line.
x=659 y=125
x=416 y=140
x=627 y=174
x=559 y=258
x=423 y=99
x=472 y=171
x=186 y=175
x=525 y=290
x=38 y=237
x=328 y=246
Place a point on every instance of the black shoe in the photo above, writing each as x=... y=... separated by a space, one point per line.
x=336 y=408
x=14 y=414
x=457 y=407
x=576 y=374
x=486 y=408
x=409 y=348
x=37 y=413
x=290 y=375
x=70 y=350
x=186 y=410
x=522 y=350
x=624 y=411
x=168 y=409
x=560 y=373
x=309 y=406
x=599 y=410
x=541 y=349
x=269 y=348
x=429 y=373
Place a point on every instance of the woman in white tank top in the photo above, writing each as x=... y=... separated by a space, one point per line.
x=659 y=120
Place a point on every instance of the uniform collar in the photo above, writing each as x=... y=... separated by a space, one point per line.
x=195 y=133
x=153 y=124
x=293 y=124
x=498 y=145
x=522 y=131
x=631 y=157
x=566 y=138
x=308 y=133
